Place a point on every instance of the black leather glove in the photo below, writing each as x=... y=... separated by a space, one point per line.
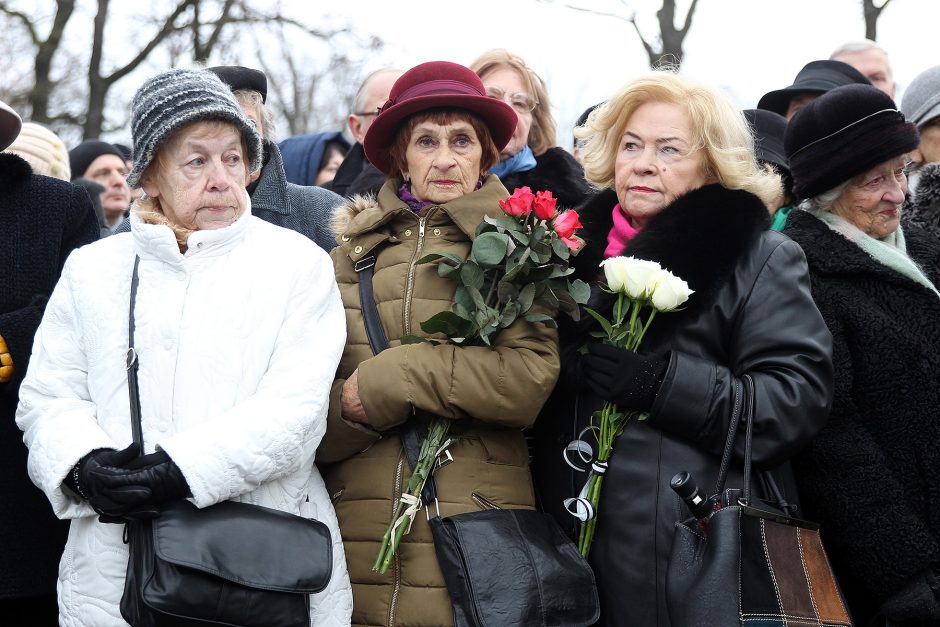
x=917 y=601
x=85 y=479
x=631 y=380
x=155 y=477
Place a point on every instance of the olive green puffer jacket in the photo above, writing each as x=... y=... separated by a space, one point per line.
x=491 y=394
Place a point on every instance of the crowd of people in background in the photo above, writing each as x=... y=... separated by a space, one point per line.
x=808 y=228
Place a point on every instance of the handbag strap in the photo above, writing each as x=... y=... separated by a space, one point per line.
x=132 y=363
x=743 y=409
x=365 y=268
x=378 y=341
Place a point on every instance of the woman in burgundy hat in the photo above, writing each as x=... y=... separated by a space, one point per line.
x=435 y=139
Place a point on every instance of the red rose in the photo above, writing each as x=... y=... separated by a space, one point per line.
x=544 y=205
x=520 y=203
x=566 y=223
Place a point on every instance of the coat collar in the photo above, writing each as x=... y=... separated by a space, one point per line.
x=13 y=169
x=270 y=193
x=368 y=226
x=157 y=241
x=699 y=237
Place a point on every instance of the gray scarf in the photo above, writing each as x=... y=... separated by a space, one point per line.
x=889 y=251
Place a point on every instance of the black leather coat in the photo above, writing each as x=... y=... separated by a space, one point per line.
x=752 y=313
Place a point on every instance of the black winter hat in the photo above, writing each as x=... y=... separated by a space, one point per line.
x=816 y=77
x=240 y=77
x=769 y=129
x=82 y=155
x=842 y=134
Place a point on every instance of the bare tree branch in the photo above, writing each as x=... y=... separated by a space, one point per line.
x=872 y=12
x=24 y=19
x=646 y=45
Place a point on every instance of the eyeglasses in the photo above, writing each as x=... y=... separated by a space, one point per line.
x=521 y=102
x=365 y=113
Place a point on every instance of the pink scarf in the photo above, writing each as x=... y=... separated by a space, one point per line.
x=622 y=233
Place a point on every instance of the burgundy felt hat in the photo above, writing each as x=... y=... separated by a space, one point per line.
x=432 y=85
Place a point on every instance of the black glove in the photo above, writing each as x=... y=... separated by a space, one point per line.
x=631 y=380
x=917 y=601
x=155 y=477
x=85 y=479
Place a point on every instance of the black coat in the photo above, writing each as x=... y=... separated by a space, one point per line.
x=41 y=221
x=752 y=312
x=872 y=476
x=356 y=176
x=556 y=171
x=922 y=206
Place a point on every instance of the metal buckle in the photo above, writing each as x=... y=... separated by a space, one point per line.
x=365 y=263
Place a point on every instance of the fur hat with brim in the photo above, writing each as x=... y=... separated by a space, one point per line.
x=10 y=125
x=435 y=85
x=843 y=133
x=177 y=98
x=816 y=77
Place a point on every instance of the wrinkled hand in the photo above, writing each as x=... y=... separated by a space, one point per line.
x=631 y=380
x=153 y=478
x=917 y=601
x=351 y=404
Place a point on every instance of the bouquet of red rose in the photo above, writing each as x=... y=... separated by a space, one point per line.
x=519 y=260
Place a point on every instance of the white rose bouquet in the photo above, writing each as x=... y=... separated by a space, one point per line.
x=643 y=289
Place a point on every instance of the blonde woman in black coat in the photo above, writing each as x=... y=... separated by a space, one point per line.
x=678 y=184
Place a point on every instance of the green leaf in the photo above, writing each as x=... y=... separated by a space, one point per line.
x=605 y=324
x=477 y=297
x=520 y=236
x=490 y=249
x=440 y=256
x=471 y=275
x=509 y=315
x=462 y=297
x=520 y=265
x=526 y=296
x=414 y=339
x=560 y=249
x=448 y=323
x=445 y=269
x=548 y=320
x=506 y=291
x=580 y=291
x=463 y=312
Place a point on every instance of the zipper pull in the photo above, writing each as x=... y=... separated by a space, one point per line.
x=421 y=228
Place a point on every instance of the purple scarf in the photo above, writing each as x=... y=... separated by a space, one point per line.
x=405 y=195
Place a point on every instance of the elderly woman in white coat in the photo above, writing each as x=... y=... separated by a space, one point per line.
x=239 y=329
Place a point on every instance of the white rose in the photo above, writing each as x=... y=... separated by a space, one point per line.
x=671 y=292
x=615 y=270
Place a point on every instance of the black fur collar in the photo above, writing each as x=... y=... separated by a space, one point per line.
x=13 y=170
x=699 y=237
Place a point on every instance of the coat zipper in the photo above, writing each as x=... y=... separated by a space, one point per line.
x=411 y=273
x=396 y=562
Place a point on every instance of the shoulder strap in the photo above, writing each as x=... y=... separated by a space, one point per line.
x=131 y=363
x=743 y=404
x=365 y=268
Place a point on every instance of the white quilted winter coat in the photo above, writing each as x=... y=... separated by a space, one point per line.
x=238 y=341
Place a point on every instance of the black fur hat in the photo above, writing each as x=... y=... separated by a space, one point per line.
x=842 y=134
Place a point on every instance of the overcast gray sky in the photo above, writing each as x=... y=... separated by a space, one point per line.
x=748 y=46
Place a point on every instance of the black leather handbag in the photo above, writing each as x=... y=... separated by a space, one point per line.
x=228 y=564
x=501 y=566
x=745 y=562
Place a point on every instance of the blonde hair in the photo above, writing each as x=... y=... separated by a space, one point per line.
x=542 y=132
x=718 y=128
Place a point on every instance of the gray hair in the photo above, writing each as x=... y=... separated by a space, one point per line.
x=825 y=200
x=860 y=45
x=251 y=98
x=360 y=102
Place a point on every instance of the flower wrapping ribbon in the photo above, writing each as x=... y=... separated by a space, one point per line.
x=580 y=506
x=414 y=506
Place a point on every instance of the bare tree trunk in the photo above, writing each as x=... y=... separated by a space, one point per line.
x=38 y=97
x=667 y=47
x=872 y=13
x=98 y=85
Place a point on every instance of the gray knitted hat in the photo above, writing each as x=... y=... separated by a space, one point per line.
x=174 y=99
x=921 y=102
